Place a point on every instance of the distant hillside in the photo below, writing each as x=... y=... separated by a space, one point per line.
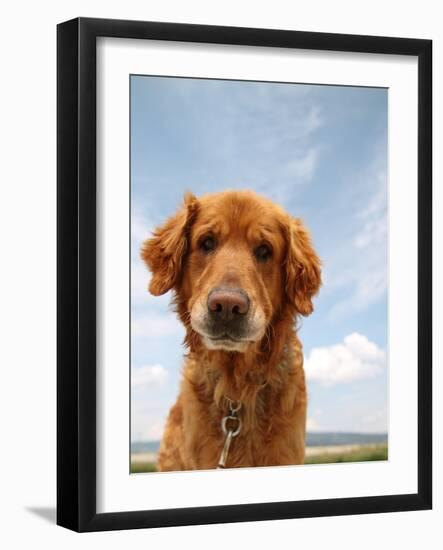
x=313 y=439
x=320 y=439
x=145 y=446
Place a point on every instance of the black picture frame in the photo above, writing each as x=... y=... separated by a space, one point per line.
x=76 y=278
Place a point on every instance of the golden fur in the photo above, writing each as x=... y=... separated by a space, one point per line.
x=264 y=372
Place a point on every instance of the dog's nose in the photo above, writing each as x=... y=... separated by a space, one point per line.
x=228 y=303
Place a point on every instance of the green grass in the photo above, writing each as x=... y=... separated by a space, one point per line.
x=364 y=454
x=143 y=467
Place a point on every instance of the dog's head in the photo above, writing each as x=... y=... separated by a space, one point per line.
x=236 y=261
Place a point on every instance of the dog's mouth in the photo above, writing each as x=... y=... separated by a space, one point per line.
x=227 y=337
x=225 y=342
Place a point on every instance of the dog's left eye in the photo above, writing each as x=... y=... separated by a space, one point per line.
x=263 y=252
x=208 y=244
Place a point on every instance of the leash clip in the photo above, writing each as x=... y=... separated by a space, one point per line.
x=230 y=433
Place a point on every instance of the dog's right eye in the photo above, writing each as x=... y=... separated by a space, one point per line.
x=208 y=244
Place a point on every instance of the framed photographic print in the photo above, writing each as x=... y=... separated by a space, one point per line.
x=244 y=274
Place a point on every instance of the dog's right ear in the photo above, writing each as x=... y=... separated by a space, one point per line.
x=164 y=252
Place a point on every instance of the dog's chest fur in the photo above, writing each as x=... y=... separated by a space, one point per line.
x=273 y=413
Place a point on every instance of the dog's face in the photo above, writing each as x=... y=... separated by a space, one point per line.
x=235 y=260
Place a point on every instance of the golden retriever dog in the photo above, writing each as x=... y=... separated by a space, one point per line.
x=242 y=271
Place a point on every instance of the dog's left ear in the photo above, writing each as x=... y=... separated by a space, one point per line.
x=303 y=267
x=164 y=253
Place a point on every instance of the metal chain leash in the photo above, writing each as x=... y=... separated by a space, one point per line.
x=230 y=431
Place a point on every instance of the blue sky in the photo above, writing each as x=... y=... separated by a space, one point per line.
x=320 y=152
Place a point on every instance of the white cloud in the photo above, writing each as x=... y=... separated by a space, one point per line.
x=155 y=325
x=374 y=215
x=147 y=423
x=312 y=425
x=268 y=138
x=355 y=359
x=141 y=430
x=140 y=229
x=375 y=421
x=139 y=280
x=148 y=376
x=372 y=241
x=149 y=408
x=302 y=169
x=361 y=267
